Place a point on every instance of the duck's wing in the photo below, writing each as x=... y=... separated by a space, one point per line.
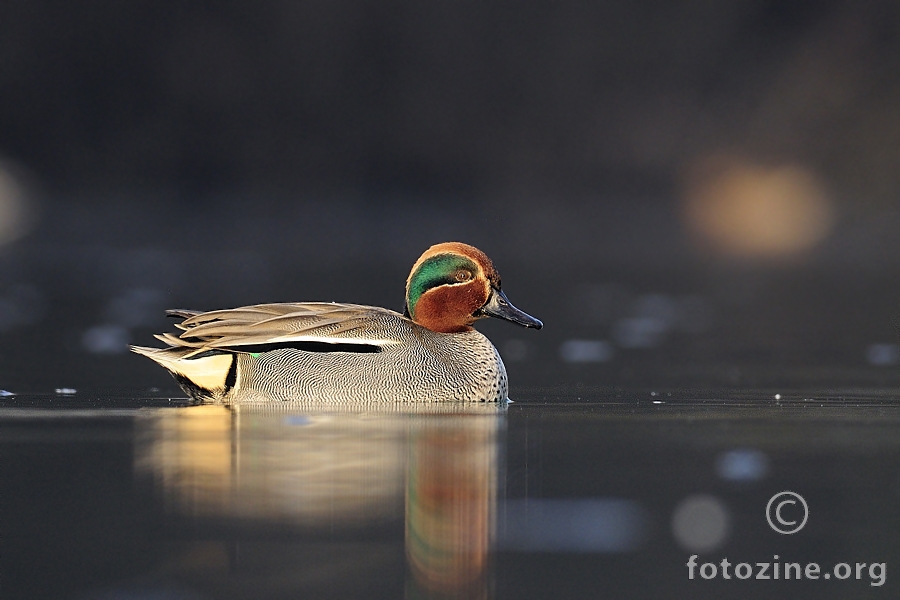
x=351 y=327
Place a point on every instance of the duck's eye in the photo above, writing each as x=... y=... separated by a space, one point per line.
x=462 y=275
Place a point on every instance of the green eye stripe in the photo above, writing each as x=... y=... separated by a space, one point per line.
x=435 y=271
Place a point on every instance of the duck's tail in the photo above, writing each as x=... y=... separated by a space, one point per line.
x=211 y=372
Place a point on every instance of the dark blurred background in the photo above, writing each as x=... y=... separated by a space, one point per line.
x=687 y=193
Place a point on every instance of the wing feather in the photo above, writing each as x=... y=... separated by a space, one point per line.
x=284 y=323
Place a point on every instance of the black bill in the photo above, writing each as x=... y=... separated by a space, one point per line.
x=498 y=305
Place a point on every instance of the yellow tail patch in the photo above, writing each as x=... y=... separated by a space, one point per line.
x=208 y=373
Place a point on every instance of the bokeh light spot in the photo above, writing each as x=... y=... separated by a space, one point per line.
x=742 y=464
x=106 y=339
x=748 y=210
x=17 y=210
x=582 y=525
x=883 y=355
x=516 y=350
x=585 y=351
x=700 y=523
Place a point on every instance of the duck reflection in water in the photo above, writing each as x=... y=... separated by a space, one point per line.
x=272 y=473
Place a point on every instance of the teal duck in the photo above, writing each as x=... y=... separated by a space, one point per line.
x=348 y=353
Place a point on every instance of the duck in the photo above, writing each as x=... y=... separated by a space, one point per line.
x=334 y=353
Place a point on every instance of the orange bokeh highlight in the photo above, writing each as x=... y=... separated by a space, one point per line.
x=752 y=211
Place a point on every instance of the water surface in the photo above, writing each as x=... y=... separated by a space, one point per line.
x=569 y=493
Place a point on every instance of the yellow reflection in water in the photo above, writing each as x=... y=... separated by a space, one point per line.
x=748 y=210
x=333 y=472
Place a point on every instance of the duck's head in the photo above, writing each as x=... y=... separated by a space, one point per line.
x=452 y=285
